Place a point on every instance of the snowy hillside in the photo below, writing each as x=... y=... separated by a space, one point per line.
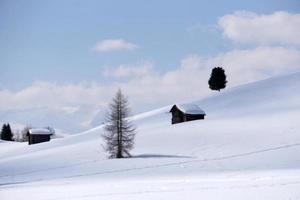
x=248 y=147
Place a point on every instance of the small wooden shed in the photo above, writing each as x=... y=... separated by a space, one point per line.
x=186 y=112
x=38 y=135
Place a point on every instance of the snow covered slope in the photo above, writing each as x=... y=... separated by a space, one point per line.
x=248 y=147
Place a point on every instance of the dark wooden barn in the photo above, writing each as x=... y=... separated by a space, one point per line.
x=38 y=135
x=186 y=112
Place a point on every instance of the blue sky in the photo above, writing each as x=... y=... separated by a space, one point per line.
x=52 y=40
x=62 y=61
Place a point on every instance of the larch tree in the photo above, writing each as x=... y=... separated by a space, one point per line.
x=119 y=132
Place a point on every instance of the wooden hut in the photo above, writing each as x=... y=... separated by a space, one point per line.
x=186 y=112
x=38 y=135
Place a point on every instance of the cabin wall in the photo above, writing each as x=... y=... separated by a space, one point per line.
x=194 y=117
x=177 y=117
x=34 y=139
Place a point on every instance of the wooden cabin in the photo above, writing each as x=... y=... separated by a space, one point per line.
x=38 y=135
x=186 y=112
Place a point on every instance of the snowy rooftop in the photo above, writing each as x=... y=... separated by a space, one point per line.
x=190 y=109
x=39 y=131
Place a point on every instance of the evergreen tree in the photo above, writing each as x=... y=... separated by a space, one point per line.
x=217 y=79
x=6 y=133
x=3 y=131
x=9 y=133
x=119 y=132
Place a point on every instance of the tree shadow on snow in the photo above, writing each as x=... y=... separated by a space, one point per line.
x=158 y=156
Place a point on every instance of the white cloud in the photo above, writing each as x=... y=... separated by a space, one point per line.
x=131 y=70
x=248 y=27
x=80 y=106
x=189 y=80
x=46 y=94
x=64 y=106
x=114 y=45
x=77 y=106
x=249 y=65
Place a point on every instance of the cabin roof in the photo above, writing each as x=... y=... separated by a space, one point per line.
x=39 y=131
x=192 y=109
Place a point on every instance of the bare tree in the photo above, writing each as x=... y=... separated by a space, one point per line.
x=119 y=132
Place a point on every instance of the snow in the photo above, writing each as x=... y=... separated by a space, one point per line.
x=189 y=108
x=248 y=147
x=39 y=131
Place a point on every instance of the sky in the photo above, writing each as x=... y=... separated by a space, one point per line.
x=61 y=61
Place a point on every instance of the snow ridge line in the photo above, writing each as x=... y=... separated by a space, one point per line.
x=189 y=161
x=52 y=168
x=155 y=166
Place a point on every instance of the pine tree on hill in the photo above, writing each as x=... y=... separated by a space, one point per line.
x=3 y=132
x=119 y=132
x=6 y=133
x=9 y=133
x=217 y=79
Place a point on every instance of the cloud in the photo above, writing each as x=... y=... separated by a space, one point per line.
x=251 y=28
x=65 y=106
x=244 y=66
x=76 y=107
x=189 y=80
x=131 y=70
x=114 y=45
x=47 y=94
